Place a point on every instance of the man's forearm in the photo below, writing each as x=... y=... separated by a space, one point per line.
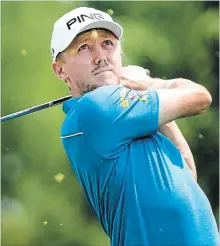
x=172 y=131
x=178 y=83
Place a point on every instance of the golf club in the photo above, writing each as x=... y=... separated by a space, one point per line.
x=35 y=108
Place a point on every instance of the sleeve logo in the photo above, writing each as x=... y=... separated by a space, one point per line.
x=126 y=96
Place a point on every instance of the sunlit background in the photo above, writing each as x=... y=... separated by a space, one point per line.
x=42 y=202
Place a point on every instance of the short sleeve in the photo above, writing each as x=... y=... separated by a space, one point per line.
x=113 y=116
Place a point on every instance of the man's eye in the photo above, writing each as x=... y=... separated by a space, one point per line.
x=84 y=47
x=107 y=42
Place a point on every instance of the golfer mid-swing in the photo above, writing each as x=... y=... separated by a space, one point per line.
x=128 y=154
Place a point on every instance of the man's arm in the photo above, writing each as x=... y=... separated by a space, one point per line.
x=172 y=131
x=178 y=98
x=181 y=98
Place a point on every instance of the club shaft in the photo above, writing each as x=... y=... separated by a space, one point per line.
x=35 y=108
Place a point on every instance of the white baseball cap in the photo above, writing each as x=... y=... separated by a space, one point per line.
x=79 y=20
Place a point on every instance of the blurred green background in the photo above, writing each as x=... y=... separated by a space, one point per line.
x=42 y=202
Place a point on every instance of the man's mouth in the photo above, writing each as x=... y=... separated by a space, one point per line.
x=101 y=71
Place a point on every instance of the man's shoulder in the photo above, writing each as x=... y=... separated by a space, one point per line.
x=98 y=99
x=91 y=107
x=102 y=92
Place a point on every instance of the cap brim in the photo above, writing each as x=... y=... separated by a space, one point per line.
x=114 y=27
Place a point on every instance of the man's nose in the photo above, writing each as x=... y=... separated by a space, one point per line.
x=99 y=55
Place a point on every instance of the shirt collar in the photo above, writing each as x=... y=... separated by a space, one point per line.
x=67 y=105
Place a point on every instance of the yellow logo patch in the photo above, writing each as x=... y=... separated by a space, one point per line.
x=124 y=103
x=143 y=98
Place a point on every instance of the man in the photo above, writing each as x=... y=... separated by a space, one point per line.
x=135 y=178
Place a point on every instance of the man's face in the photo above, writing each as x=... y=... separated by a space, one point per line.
x=93 y=59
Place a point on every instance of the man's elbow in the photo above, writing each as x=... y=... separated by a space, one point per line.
x=204 y=100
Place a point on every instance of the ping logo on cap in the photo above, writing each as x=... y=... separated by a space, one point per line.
x=82 y=18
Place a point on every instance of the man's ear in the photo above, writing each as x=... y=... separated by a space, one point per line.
x=58 y=70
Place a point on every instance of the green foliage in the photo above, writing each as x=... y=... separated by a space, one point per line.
x=171 y=39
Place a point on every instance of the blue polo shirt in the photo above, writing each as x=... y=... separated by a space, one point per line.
x=134 y=178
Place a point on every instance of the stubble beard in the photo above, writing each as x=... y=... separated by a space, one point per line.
x=84 y=87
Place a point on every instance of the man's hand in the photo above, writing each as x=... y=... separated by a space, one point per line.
x=135 y=77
